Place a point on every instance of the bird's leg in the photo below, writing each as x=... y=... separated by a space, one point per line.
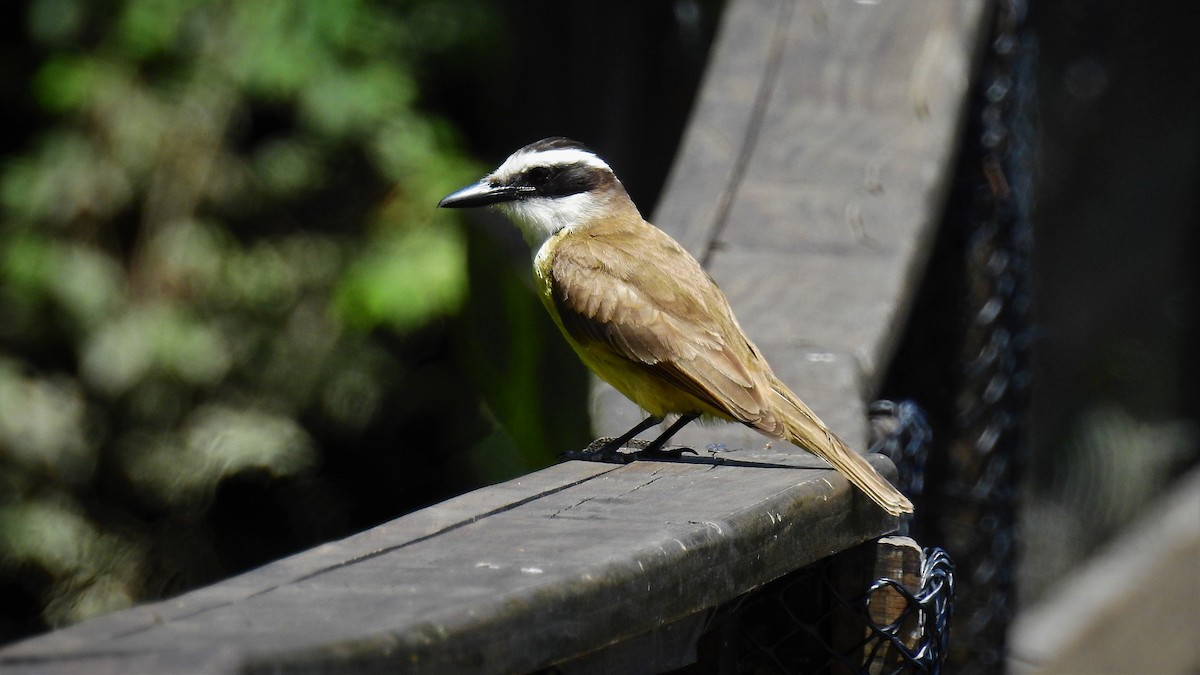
x=655 y=447
x=609 y=450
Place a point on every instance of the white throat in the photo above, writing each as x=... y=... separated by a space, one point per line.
x=540 y=218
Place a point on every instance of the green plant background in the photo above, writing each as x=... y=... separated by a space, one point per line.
x=232 y=323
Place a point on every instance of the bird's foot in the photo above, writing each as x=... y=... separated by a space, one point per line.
x=669 y=452
x=605 y=450
x=601 y=450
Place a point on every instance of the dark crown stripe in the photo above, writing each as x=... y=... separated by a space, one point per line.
x=555 y=143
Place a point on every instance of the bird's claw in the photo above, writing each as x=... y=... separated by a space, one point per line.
x=613 y=457
x=599 y=451
x=669 y=452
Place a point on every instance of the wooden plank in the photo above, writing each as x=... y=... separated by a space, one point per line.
x=403 y=531
x=742 y=66
x=832 y=226
x=541 y=579
x=774 y=289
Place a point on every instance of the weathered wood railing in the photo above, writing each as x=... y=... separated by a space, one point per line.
x=506 y=579
x=810 y=181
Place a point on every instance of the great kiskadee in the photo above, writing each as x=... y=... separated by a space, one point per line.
x=642 y=313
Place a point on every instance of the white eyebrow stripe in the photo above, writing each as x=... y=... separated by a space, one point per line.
x=520 y=161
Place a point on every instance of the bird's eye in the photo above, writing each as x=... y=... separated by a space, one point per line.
x=539 y=175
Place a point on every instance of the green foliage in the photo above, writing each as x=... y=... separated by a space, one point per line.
x=227 y=206
x=405 y=281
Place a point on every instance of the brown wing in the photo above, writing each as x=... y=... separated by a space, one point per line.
x=631 y=289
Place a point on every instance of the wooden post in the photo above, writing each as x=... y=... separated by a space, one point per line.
x=903 y=560
x=855 y=642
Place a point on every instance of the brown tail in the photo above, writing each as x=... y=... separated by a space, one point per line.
x=805 y=430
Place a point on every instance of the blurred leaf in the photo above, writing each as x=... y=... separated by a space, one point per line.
x=405 y=280
x=148 y=27
x=45 y=534
x=92 y=593
x=161 y=339
x=221 y=265
x=25 y=264
x=84 y=284
x=182 y=470
x=55 y=21
x=259 y=277
x=288 y=167
x=341 y=101
x=354 y=394
x=42 y=426
x=97 y=571
x=64 y=83
x=66 y=179
x=89 y=285
x=193 y=254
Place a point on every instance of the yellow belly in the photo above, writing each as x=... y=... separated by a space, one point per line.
x=652 y=393
x=637 y=381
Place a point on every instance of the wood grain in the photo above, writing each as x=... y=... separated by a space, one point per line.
x=590 y=552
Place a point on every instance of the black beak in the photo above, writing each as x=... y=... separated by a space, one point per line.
x=480 y=194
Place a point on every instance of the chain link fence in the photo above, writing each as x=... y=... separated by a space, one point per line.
x=963 y=366
x=957 y=433
x=822 y=619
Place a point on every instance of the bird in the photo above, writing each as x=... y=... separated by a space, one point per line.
x=643 y=314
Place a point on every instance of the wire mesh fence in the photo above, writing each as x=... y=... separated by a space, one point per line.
x=882 y=608
x=964 y=358
x=901 y=431
x=957 y=437
x=824 y=619
x=976 y=518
